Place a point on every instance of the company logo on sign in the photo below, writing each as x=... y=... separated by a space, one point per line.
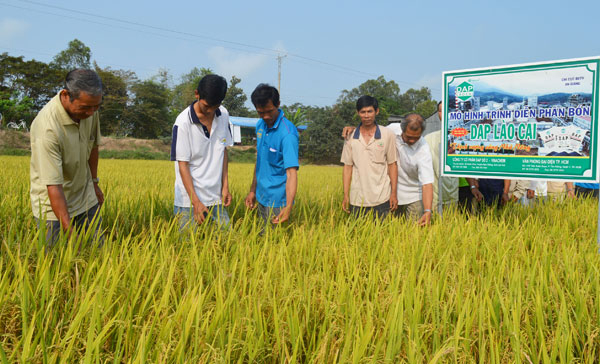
x=464 y=91
x=459 y=132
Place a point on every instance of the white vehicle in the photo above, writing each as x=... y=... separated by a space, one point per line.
x=18 y=126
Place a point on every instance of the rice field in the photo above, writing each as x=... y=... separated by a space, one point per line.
x=515 y=286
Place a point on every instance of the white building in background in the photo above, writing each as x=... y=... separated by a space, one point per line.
x=574 y=100
x=490 y=105
x=584 y=122
x=505 y=103
x=532 y=102
x=476 y=104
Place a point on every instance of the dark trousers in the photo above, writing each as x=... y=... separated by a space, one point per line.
x=586 y=192
x=81 y=223
x=465 y=198
x=379 y=211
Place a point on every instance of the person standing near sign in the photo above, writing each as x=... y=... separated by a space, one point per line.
x=450 y=185
x=415 y=169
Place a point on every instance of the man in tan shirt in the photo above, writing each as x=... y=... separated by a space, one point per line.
x=64 y=157
x=370 y=170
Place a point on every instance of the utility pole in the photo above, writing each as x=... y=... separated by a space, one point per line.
x=279 y=59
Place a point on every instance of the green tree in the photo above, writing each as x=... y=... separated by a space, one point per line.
x=77 y=55
x=116 y=84
x=296 y=113
x=426 y=108
x=183 y=93
x=235 y=99
x=412 y=98
x=33 y=80
x=148 y=115
x=321 y=142
x=387 y=94
x=14 y=109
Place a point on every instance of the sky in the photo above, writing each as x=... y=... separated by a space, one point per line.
x=327 y=46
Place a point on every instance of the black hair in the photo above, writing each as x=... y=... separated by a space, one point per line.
x=263 y=93
x=212 y=89
x=366 y=101
x=82 y=80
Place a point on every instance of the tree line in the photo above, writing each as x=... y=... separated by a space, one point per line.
x=147 y=108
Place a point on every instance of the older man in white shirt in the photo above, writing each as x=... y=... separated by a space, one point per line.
x=415 y=169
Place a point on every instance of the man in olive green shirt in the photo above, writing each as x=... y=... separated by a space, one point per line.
x=64 y=157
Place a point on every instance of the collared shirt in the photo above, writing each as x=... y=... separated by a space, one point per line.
x=276 y=151
x=449 y=184
x=370 y=185
x=204 y=151
x=60 y=151
x=415 y=167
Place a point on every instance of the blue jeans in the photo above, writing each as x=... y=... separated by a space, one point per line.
x=217 y=214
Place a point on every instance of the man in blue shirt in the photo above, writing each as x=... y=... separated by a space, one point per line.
x=276 y=171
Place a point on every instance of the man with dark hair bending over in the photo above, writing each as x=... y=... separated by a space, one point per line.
x=275 y=177
x=198 y=148
x=370 y=170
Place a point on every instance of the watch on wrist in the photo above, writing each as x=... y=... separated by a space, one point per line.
x=96 y=180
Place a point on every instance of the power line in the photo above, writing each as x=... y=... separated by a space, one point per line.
x=50 y=54
x=274 y=51
x=253 y=48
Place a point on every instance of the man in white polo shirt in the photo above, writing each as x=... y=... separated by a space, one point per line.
x=415 y=169
x=200 y=136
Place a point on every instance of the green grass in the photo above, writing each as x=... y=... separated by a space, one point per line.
x=14 y=152
x=516 y=286
x=139 y=153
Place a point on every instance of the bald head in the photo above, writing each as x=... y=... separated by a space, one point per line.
x=413 y=122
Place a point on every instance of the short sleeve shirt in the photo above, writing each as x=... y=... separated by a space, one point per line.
x=60 y=151
x=204 y=151
x=370 y=185
x=276 y=151
x=449 y=184
x=415 y=167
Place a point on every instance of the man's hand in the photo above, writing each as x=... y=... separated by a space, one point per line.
x=393 y=202
x=99 y=194
x=225 y=196
x=425 y=219
x=284 y=215
x=504 y=198
x=251 y=201
x=571 y=194
x=347 y=131
x=477 y=194
x=346 y=205
x=200 y=211
x=530 y=194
